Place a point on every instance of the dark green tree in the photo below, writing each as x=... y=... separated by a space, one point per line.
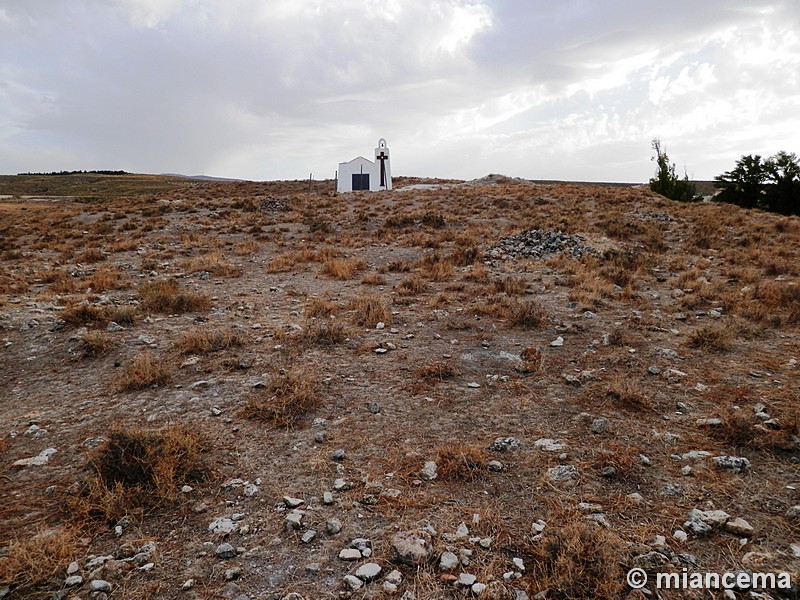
x=744 y=185
x=772 y=184
x=783 y=172
x=666 y=182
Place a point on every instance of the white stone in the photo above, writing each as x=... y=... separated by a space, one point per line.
x=549 y=445
x=466 y=580
x=353 y=582
x=36 y=461
x=478 y=588
x=222 y=525
x=429 y=471
x=99 y=585
x=395 y=577
x=448 y=561
x=368 y=571
x=739 y=526
x=350 y=554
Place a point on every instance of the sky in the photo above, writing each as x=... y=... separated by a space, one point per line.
x=283 y=89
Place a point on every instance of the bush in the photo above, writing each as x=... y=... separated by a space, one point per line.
x=139 y=470
x=666 y=182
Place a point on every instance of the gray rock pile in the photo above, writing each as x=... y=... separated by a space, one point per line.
x=538 y=243
x=275 y=204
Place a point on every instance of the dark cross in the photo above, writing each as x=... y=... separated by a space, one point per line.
x=383 y=157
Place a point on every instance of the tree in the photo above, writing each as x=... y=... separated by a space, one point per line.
x=772 y=184
x=744 y=185
x=666 y=182
x=783 y=196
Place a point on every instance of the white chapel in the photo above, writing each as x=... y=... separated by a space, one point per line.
x=363 y=174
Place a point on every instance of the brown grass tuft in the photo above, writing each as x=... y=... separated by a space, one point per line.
x=203 y=341
x=140 y=470
x=324 y=333
x=529 y=314
x=412 y=285
x=461 y=462
x=37 y=562
x=342 y=268
x=83 y=314
x=144 y=371
x=95 y=343
x=285 y=401
x=436 y=371
x=320 y=307
x=215 y=263
x=713 y=337
x=510 y=286
x=166 y=296
x=369 y=311
x=628 y=394
x=578 y=561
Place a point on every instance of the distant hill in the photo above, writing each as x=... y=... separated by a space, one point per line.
x=202 y=177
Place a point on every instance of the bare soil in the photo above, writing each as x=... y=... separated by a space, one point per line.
x=684 y=313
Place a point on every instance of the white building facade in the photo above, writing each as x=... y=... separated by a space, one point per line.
x=361 y=174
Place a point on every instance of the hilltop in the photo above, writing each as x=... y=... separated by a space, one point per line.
x=501 y=388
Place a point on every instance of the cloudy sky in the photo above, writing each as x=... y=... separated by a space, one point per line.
x=278 y=89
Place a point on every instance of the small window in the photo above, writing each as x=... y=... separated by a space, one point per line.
x=360 y=182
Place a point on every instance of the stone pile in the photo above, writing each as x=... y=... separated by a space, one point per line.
x=275 y=204
x=538 y=243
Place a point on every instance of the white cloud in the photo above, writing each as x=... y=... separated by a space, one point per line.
x=278 y=88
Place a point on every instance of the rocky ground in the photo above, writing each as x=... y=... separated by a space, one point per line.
x=492 y=389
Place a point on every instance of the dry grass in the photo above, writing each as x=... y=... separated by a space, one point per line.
x=373 y=279
x=461 y=462
x=435 y=267
x=95 y=343
x=140 y=470
x=628 y=394
x=579 y=561
x=34 y=563
x=529 y=314
x=105 y=279
x=741 y=429
x=246 y=247
x=413 y=285
x=92 y=255
x=369 y=310
x=324 y=333
x=203 y=341
x=285 y=401
x=439 y=370
x=144 y=371
x=510 y=286
x=320 y=307
x=713 y=337
x=342 y=268
x=83 y=314
x=166 y=296
x=215 y=263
